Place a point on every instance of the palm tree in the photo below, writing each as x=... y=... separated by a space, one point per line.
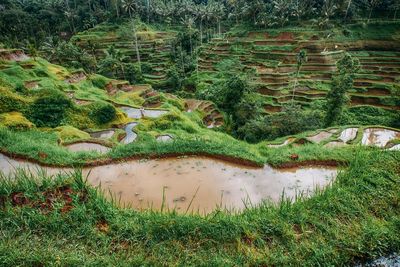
x=200 y=16
x=116 y=6
x=301 y=58
x=328 y=10
x=217 y=10
x=189 y=22
x=130 y=6
x=235 y=9
x=372 y=4
x=395 y=6
x=348 y=8
x=164 y=10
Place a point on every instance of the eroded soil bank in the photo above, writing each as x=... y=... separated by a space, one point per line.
x=194 y=183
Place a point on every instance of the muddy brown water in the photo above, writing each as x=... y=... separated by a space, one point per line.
x=348 y=134
x=203 y=182
x=135 y=113
x=396 y=147
x=319 y=137
x=83 y=146
x=335 y=144
x=287 y=141
x=106 y=134
x=378 y=137
x=130 y=134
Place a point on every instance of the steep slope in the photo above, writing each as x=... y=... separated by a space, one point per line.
x=272 y=54
x=154 y=47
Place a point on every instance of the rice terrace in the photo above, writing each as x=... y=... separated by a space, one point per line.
x=200 y=133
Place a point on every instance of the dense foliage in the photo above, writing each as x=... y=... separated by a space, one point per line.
x=102 y=112
x=341 y=83
x=35 y=20
x=50 y=109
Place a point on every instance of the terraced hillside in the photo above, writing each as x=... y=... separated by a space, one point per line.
x=28 y=85
x=272 y=54
x=154 y=47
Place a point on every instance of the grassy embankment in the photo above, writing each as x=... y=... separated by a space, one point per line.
x=357 y=218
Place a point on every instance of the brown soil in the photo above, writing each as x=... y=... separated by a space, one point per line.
x=261 y=35
x=267 y=91
x=13 y=55
x=272 y=42
x=285 y=36
x=102 y=162
x=76 y=77
x=308 y=163
x=82 y=102
x=357 y=100
x=46 y=201
x=31 y=85
x=272 y=109
x=378 y=92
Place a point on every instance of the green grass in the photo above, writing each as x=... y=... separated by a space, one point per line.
x=357 y=218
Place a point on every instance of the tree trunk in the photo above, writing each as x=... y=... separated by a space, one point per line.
x=201 y=32
x=73 y=25
x=117 y=8
x=191 y=46
x=136 y=44
x=123 y=70
x=395 y=14
x=219 y=28
x=182 y=61
x=295 y=84
x=148 y=11
x=347 y=9
x=137 y=51
x=369 y=16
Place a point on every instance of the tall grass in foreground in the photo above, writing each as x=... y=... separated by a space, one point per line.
x=357 y=218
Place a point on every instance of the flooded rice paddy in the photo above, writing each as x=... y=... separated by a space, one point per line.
x=106 y=134
x=378 y=137
x=348 y=135
x=195 y=183
x=83 y=146
x=136 y=113
x=130 y=134
x=319 y=137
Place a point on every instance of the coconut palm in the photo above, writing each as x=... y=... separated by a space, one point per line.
x=301 y=58
x=130 y=6
x=188 y=22
x=217 y=10
x=200 y=16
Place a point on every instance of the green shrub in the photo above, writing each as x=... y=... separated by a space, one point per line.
x=15 y=121
x=99 y=81
x=10 y=101
x=367 y=115
x=103 y=112
x=49 y=110
x=41 y=72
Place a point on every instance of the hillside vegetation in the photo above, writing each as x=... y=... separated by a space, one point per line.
x=113 y=112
